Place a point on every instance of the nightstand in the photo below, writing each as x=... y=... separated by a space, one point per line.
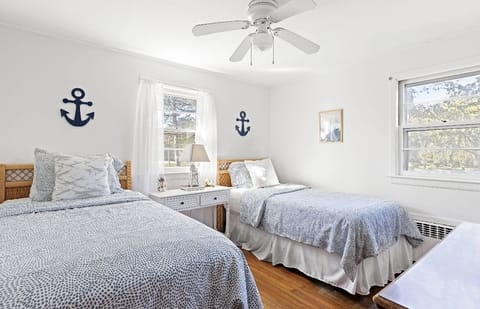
x=181 y=200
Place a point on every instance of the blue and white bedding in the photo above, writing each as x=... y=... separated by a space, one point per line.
x=351 y=226
x=117 y=251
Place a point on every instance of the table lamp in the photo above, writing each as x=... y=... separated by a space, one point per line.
x=194 y=153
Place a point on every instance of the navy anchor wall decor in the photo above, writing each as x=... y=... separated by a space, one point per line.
x=243 y=131
x=78 y=94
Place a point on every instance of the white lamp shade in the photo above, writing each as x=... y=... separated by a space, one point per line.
x=194 y=153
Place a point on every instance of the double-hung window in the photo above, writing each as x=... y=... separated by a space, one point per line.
x=439 y=127
x=179 y=125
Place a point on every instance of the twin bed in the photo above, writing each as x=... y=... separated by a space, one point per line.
x=349 y=241
x=124 y=250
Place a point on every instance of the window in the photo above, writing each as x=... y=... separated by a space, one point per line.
x=179 y=124
x=439 y=126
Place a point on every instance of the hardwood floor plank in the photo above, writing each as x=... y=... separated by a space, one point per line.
x=284 y=288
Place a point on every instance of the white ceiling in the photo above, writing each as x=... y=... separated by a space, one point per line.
x=346 y=30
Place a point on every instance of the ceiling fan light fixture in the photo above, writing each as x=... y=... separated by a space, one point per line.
x=262 y=41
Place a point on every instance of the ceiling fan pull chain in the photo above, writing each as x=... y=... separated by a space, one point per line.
x=251 y=53
x=273 y=49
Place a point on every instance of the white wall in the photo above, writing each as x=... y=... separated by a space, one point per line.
x=37 y=72
x=362 y=163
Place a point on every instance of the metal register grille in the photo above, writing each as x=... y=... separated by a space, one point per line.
x=434 y=230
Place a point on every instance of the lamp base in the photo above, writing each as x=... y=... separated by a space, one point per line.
x=193 y=176
x=192 y=188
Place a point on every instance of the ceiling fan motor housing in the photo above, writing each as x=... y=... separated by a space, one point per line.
x=258 y=9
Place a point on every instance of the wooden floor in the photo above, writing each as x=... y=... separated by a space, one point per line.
x=282 y=287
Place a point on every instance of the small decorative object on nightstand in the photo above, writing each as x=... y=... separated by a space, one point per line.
x=209 y=183
x=194 y=153
x=162 y=184
x=181 y=200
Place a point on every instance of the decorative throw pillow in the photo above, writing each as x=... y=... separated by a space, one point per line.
x=80 y=177
x=239 y=175
x=113 y=169
x=44 y=175
x=116 y=163
x=262 y=173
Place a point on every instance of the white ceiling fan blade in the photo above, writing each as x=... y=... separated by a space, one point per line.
x=291 y=8
x=296 y=40
x=242 y=49
x=204 y=29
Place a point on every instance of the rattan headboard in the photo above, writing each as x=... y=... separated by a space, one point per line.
x=223 y=177
x=16 y=180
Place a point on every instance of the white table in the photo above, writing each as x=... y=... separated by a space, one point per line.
x=446 y=277
x=181 y=200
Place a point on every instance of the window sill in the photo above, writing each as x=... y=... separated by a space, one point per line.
x=452 y=184
x=176 y=170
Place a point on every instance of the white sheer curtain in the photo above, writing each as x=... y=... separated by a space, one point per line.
x=148 y=137
x=206 y=134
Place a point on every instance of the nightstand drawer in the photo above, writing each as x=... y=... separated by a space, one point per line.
x=181 y=202
x=214 y=198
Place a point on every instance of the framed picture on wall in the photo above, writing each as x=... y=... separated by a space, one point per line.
x=331 y=126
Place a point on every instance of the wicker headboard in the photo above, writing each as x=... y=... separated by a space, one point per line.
x=16 y=180
x=223 y=177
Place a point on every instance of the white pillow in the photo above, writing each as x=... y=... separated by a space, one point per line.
x=80 y=177
x=262 y=173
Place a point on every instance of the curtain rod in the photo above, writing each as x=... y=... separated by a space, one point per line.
x=177 y=85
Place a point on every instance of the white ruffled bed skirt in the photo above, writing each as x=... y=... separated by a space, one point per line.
x=318 y=263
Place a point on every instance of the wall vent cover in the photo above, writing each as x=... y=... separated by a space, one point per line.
x=434 y=230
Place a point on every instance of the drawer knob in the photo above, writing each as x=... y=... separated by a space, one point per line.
x=215 y=198
x=182 y=203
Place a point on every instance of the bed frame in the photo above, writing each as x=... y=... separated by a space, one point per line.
x=16 y=180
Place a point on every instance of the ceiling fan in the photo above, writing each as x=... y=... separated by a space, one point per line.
x=261 y=15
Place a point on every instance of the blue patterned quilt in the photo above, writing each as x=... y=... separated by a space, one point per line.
x=354 y=227
x=120 y=251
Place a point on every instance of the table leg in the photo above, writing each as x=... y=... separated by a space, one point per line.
x=227 y=220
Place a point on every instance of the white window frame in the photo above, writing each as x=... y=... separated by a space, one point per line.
x=189 y=94
x=401 y=176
